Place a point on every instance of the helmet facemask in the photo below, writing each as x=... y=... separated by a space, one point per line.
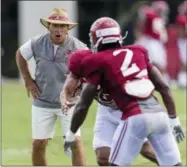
x=94 y=47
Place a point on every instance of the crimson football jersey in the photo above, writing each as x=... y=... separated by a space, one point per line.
x=122 y=72
x=154 y=26
x=76 y=67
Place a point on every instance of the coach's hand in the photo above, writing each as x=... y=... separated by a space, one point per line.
x=69 y=140
x=66 y=101
x=32 y=88
x=177 y=129
x=67 y=104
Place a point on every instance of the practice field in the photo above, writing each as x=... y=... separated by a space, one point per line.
x=16 y=130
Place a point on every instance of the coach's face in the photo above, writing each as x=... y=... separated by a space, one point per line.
x=58 y=33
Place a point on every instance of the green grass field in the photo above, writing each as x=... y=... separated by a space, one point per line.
x=16 y=130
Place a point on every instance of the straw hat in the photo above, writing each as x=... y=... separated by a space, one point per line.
x=58 y=16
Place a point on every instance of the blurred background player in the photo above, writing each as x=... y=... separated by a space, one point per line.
x=180 y=44
x=151 y=33
x=181 y=27
x=162 y=9
x=50 y=51
x=176 y=51
x=176 y=43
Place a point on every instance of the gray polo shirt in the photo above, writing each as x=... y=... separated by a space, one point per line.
x=51 y=66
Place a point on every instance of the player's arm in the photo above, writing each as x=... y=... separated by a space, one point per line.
x=164 y=90
x=81 y=108
x=160 y=85
x=80 y=113
x=87 y=96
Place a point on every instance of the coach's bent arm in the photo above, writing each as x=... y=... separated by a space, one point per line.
x=23 y=66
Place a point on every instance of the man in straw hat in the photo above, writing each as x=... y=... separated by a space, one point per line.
x=50 y=51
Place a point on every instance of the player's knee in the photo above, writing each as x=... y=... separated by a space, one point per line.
x=147 y=152
x=102 y=160
x=39 y=144
x=102 y=155
x=146 y=148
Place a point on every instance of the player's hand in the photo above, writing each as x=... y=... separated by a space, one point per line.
x=32 y=88
x=177 y=129
x=69 y=140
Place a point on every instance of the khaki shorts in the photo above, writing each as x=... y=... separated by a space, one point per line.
x=44 y=122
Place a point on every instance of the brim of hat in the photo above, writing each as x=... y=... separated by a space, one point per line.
x=45 y=23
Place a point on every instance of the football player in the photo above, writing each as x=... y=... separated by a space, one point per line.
x=181 y=25
x=162 y=9
x=152 y=38
x=108 y=117
x=130 y=79
x=176 y=47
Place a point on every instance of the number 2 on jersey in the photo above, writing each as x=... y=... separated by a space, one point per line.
x=125 y=69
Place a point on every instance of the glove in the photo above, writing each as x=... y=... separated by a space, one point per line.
x=69 y=140
x=177 y=129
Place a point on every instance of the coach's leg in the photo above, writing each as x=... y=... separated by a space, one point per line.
x=148 y=153
x=43 y=125
x=78 y=155
x=39 y=152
